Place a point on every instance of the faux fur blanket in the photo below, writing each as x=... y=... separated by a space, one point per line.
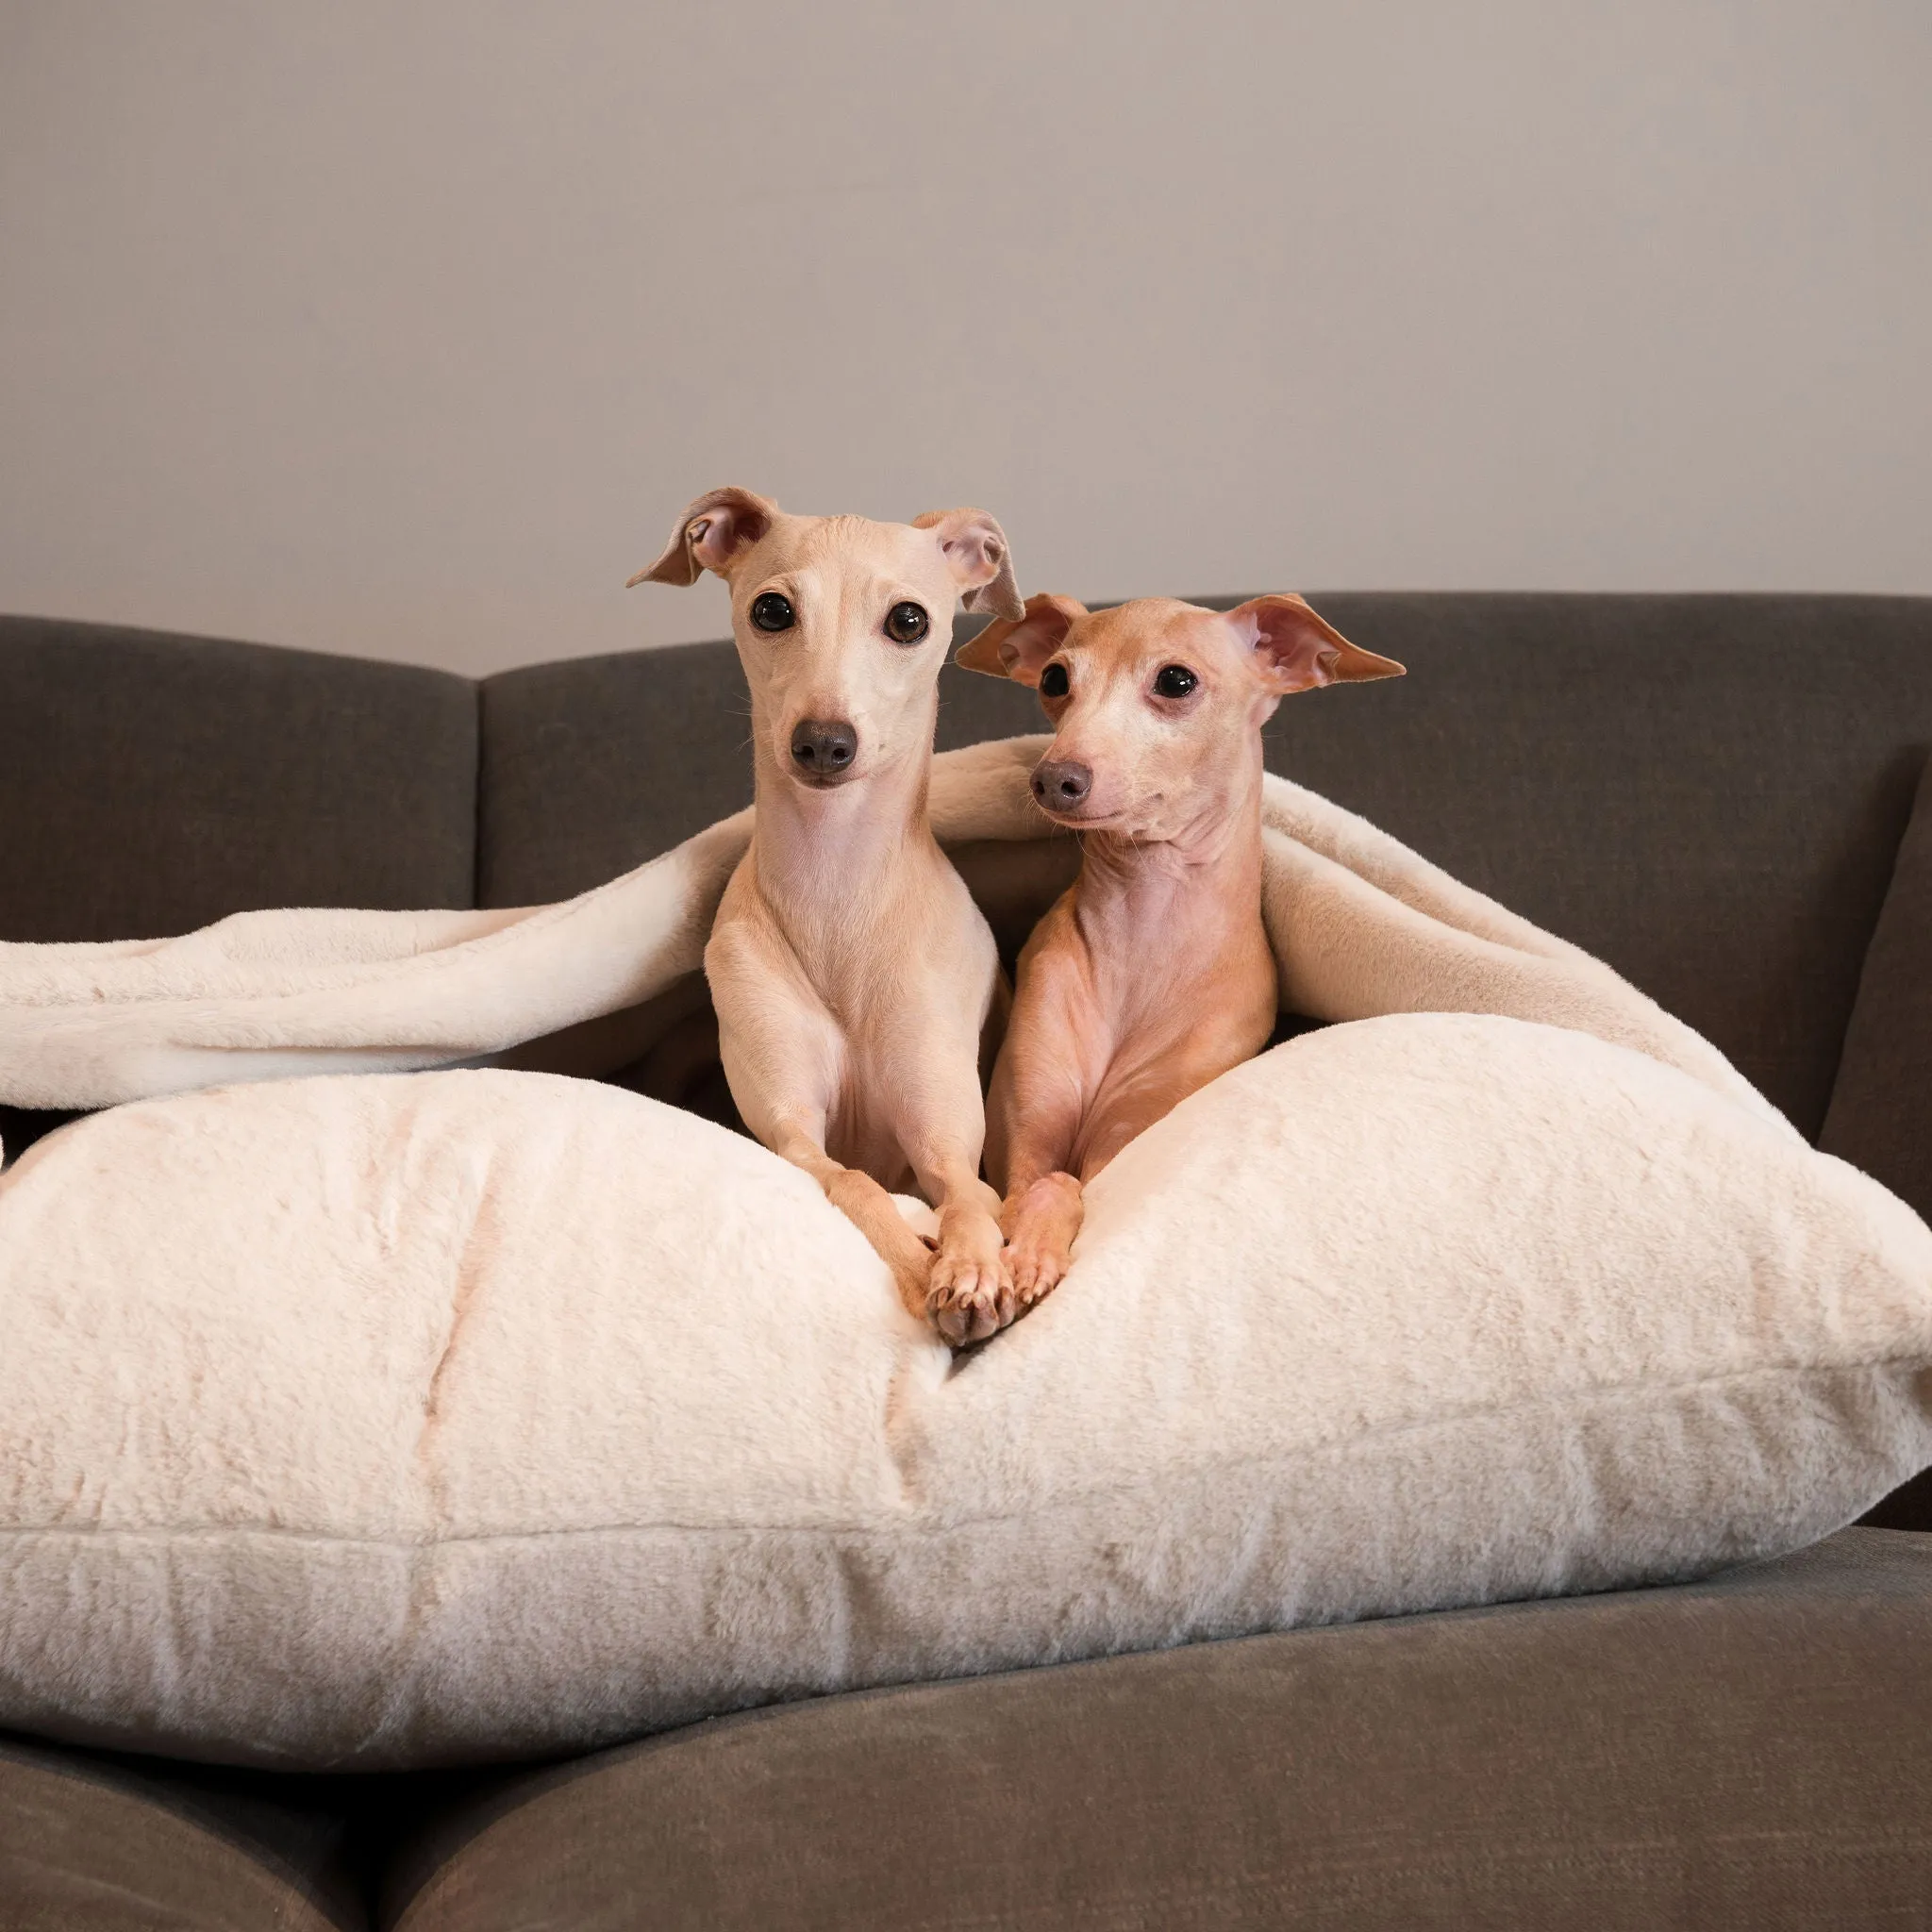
x=1361 y=926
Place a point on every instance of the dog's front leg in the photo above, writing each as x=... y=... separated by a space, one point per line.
x=782 y=1058
x=1035 y=1112
x=799 y=1137
x=928 y=1039
x=969 y=1291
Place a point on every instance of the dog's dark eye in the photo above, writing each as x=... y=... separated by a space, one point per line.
x=1175 y=681
x=905 y=624
x=771 y=611
x=1054 y=682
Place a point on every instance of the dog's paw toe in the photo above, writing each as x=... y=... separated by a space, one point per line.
x=1036 y=1273
x=955 y=1324
x=967 y=1299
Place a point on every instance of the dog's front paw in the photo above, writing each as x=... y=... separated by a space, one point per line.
x=969 y=1295
x=1039 y=1260
x=1041 y=1226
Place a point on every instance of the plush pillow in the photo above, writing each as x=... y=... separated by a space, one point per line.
x=416 y=1419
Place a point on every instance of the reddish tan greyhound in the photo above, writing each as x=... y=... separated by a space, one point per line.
x=1151 y=973
x=851 y=971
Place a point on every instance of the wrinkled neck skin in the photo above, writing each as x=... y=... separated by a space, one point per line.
x=1168 y=910
x=831 y=862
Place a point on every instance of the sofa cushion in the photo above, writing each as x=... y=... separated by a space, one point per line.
x=592 y=766
x=485 y=1415
x=1706 y=792
x=169 y=781
x=85 y=1843
x=1750 y=1752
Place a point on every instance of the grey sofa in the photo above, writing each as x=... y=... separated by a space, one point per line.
x=1727 y=797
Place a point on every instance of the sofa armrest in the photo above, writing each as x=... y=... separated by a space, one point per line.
x=1880 y=1117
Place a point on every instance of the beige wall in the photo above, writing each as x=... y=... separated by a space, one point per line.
x=406 y=329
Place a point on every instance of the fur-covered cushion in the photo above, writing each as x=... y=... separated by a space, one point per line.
x=466 y=1415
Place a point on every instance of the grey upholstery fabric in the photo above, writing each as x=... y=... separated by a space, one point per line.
x=1706 y=792
x=589 y=768
x=1753 y=1752
x=87 y=1844
x=1881 y=1106
x=150 y=784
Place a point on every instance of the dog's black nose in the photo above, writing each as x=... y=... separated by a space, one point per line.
x=824 y=747
x=1059 y=783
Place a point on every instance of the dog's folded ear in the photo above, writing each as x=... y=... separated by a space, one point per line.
x=979 y=557
x=719 y=525
x=1019 y=648
x=1295 y=650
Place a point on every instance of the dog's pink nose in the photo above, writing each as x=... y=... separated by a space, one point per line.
x=1059 y=783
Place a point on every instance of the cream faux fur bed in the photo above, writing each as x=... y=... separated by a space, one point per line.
x=1361 y=926
x=479 y=1414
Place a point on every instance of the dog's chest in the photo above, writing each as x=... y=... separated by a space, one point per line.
x=862 y=1132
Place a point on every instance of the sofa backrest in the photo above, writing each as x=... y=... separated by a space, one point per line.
x=1708 y=791
x=151 y=783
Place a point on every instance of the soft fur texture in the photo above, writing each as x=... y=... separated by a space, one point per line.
x=1359 y=926
x=481 y=1414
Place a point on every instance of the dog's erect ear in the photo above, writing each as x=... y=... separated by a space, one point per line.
x=979 y=557
x=1294 y=650
x=717 y=528
x=1019 y=649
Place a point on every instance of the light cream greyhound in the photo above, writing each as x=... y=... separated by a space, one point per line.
x=851 y=973
x=1151 y=973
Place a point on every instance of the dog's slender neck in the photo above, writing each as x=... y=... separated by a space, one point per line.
x=1193 y=890
x=827 y=855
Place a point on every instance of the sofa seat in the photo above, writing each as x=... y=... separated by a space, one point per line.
x=1752 y=1751
x=92 y=1843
